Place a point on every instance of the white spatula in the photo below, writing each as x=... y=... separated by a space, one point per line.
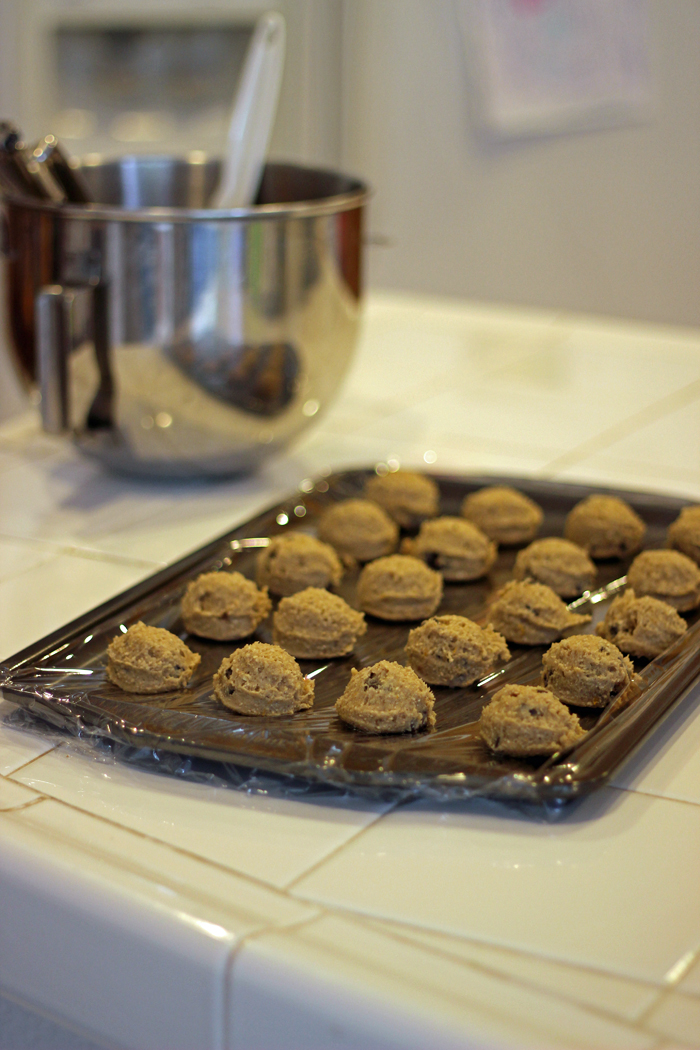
x=254 y=109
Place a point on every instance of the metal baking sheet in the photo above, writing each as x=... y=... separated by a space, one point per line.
x=62 y=677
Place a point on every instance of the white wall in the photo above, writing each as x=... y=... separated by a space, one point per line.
x=605 y=221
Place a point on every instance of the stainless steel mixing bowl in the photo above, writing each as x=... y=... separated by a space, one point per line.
x=177 y=340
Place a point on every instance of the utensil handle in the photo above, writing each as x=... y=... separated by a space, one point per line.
x=253 y=114
x=54 y=335
x=50 y=164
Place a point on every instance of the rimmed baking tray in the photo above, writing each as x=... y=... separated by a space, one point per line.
x=62 y=678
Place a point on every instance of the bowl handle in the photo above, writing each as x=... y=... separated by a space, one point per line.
x=53 y=309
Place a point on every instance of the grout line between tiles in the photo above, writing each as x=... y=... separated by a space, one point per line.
x=687 y=992
x=57 y=547
x=91 y=554
x=646 y=1014
x=490 y=1008
x=339 y=910
x=338 y=849
x=505 y=978
x=46 y=546
x=287 y=889
x=228 y=1023
x=664 y=1040
x=147 y=874
x=25 y=805
x=284 y=889
x=285 y=929
x=366 y=918
x=651 y=414
x=10 y=776
x=633 y=790
x=411 y=980
x=246 y=876
x=226 y=1020
x=322 y=907
x=372 y=918
x=28 y=805
x=492 y=972
x=653 y=794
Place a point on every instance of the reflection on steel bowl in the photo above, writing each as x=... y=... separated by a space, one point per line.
x=260 y=378
x=173 y=339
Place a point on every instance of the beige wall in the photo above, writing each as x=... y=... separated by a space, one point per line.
x=604 y=221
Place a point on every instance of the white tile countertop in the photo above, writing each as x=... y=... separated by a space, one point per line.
x=148 y=912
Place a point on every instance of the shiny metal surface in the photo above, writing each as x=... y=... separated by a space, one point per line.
x=53 y=326
x=179 y=340
x=14 y=176
x=65 y=178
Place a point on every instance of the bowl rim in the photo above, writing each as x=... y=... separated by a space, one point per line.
x=304 y=209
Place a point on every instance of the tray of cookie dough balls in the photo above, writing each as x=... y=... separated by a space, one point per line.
x=391 y=630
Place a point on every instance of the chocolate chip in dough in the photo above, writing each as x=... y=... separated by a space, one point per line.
x=386 y=698
x=261 y=679
x=454 y=651
x=586 y=671
x=641 y=626
x=526 y=721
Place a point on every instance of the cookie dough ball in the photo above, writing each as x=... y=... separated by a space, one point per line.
x=586 y=671
x=150 y=660
x=668 y=575
x=452 y=650
x=261 y=679
x=506 y=516
x=316 y=624
x=457 y=548
x=526 y=720
x=558 y=563
x=406 y=497
x=360 y=529
x=399 y=587
x=605 y=526
x=295 y=561
x=684 y=533
x=223 y=606
x=641 y=626
x=532 y=614
x=386 y=698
